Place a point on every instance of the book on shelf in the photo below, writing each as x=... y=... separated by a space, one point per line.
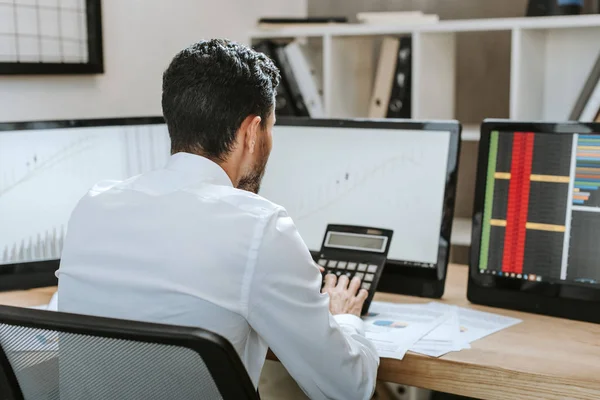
x=397 y=18
x=280 y=23
x=587 y=106
x=392 y=92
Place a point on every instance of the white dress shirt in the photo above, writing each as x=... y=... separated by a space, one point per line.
x=182 y=246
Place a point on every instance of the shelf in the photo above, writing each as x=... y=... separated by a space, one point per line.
x=466 y=25
x=461 y=232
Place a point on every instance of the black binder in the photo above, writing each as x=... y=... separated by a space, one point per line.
x=400 y=98
x=283 y=101
x=289 y=80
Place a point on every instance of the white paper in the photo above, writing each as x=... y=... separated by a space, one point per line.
x=475 y=325
x=53 y=304
x=395 y=328
x=432 y=329
x=443 y=339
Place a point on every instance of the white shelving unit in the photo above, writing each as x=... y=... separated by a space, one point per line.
x=549 y=62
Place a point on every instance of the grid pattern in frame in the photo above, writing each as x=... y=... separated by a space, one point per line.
x=35 y=34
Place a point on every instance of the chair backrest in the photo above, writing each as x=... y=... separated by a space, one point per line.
x=48 y=355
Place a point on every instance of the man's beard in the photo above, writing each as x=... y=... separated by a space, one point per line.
x=251 y=181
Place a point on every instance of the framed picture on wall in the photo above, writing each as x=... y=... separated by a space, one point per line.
x=50 y=37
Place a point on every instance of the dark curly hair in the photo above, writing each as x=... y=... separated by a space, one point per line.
x=209 y=89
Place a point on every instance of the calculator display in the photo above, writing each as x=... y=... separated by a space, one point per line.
x=353 y=241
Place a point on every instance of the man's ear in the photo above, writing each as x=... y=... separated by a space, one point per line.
x=252 y=123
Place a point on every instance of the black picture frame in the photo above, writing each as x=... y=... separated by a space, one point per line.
x=28 y=275
x=402 y=277
x=95 y=64
x=559 y=299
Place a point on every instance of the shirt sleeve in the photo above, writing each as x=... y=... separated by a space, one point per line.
x=329 y=357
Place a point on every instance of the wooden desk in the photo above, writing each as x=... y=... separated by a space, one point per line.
x=27 y=298
x=540 y=358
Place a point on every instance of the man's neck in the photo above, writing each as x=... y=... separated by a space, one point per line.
x=228 y=165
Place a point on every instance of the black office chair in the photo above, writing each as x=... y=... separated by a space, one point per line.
x=48 y=355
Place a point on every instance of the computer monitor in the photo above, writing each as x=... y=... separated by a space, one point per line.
x=537 y=219
x=392 y=174
x=45 y=169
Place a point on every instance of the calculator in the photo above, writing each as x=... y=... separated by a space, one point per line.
x=356 y=251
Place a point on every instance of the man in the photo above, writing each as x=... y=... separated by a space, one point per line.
x=193 y=244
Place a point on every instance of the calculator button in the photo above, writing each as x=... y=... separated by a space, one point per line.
x=342 y=264
x=338 y=273
x=372 y=269
x=349 y=275
x=362 y=267
x=366 y=285
x=359 y=275
x=369 y=277
x=351 y=266
x=322 y=262
x=331 y=263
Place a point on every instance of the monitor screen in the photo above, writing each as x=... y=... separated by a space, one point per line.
x=45 y=168
x=367 y=175
x=541 y=214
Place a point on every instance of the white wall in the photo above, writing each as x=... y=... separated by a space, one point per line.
x=140 y=38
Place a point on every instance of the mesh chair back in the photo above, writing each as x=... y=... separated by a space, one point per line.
x=59 y=356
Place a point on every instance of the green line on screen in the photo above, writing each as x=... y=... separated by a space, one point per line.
x=586 y=183
x=489 y=201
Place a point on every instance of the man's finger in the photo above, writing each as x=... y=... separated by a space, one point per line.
x=329 y=281
x=354 y=286
x=362 y=295
x=343 y=282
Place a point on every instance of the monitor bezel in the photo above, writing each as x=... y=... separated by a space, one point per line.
x=398 y=277
x=564 y=300
x=34 y=274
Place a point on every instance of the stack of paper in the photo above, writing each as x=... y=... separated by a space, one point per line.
x=433 y=329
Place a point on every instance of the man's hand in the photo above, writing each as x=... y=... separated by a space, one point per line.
x=320 y=268
x=343 y=297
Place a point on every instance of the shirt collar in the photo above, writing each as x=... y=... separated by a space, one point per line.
x=187 y=162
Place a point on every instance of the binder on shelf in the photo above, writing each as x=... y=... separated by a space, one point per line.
x=290 y=81
x=284 y=104
x=587 y=105
x=392 y=90
x=386 y=68
x=305 y=78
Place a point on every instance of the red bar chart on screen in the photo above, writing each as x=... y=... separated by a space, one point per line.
x=518 y=202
